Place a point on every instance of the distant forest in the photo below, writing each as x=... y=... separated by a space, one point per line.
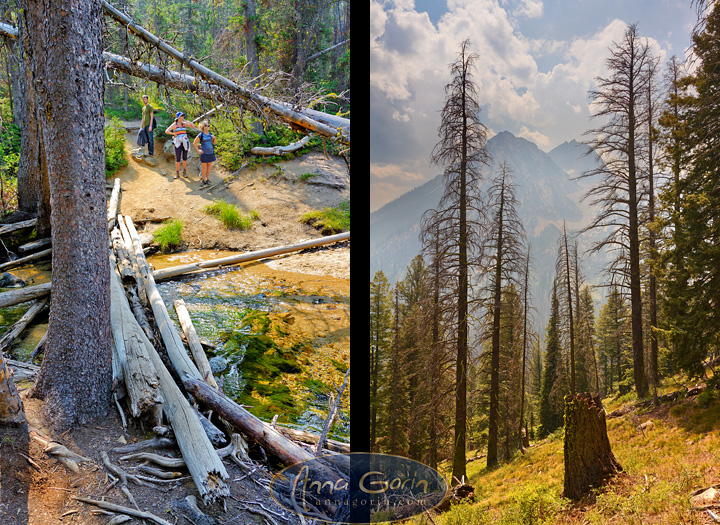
x=456 y=362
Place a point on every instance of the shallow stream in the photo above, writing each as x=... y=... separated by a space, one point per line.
x=285 y=335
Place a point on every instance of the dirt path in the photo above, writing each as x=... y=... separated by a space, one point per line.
x=276 y=192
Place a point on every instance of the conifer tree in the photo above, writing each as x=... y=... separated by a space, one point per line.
x=461 y=151
x=552 y=390
x=380 y=329
x=621 y=102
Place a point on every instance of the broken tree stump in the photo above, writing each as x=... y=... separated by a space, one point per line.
x=589 y=461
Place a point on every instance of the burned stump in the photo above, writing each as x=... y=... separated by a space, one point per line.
x=589 y=462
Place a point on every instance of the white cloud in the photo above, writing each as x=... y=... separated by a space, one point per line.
x=530 y=8
x=542 y=141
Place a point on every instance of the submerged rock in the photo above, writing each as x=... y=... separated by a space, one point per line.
x=8 y=280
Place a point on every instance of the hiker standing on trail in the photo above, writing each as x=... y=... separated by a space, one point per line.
x=206 y=151
x=181 y=141
x=147 y=124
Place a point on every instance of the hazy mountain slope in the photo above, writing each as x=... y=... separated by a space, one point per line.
x=546 y=194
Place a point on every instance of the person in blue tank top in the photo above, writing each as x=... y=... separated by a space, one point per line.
x=204 y=145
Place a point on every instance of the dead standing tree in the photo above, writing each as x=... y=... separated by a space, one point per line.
x=461 y=151
x=505 y=245
x=620 y=100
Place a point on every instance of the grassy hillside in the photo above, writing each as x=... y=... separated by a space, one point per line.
x=677 y=454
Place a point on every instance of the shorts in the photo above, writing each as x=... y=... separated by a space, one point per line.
x=207 y=157
x=180 y=153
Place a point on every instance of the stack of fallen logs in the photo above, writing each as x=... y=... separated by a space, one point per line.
x=149 y=386
x=143 y=382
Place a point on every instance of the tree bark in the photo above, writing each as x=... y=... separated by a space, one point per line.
x=75 y=378
x=589 y=461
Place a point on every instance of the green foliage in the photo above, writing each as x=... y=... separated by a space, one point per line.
x=329 y=220
x=466 y=514
x=169 y=236
x=553 y=382
x=533 y=504
x=115 y=108
x=230 y=215
x=115 y=155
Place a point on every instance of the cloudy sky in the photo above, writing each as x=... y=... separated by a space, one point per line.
x=538 y=59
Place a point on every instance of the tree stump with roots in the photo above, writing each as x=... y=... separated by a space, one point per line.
x=589 y=462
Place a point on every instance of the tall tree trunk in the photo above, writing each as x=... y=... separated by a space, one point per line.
x=458 y=471
x=570 y=311
x=75 y=378
x=524 y=350
x=31 y=162
x=493 y=423
x=250 y=46
x=652 y=285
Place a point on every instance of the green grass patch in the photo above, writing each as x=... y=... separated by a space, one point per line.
x=169 y=236
x=329 y=220
x=230 y=215
x=307 y=176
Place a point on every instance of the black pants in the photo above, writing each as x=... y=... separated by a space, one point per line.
x=151 y=141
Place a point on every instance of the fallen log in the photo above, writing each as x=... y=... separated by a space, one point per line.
x=34 y=245
x=194 y=343
x=20 y=325
x=207 y=471
x=22 y=371
x=24 y=294
x=141 y=379
x=113 y=204
x=9 y=228
x=169 y=273
x=124 y=264
x=127 y=239
x=22 y=260
x=282 y=150
x=281 y=447
x=313 y=439
x=176 y=351
x=202 y=461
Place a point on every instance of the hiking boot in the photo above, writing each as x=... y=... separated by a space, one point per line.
x=184 y=173
x=177 y=174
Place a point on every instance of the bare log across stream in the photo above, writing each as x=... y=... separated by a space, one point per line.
x=9 y=228
x=176 y=351
x=24 y=294
x=287 y=451
x=9 y=336
x=26 y=259
x=175 y=271
x=194 y=343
